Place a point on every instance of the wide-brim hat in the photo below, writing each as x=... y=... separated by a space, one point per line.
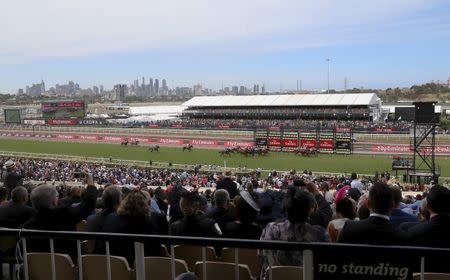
x=249 y=199
x=9 y=164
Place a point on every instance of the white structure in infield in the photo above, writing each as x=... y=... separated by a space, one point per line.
x=369 y=102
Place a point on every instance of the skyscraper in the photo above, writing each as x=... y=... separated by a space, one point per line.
x=256 y=88
x=120 y=92
x=198 y=89
x=165 y=89
x=151 y=91
x=156 y=88
x=242 y=90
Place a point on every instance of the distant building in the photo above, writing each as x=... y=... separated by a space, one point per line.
x=198 y=89
x=165 y=89
x=71 y=88
x=242 y=90
x=95 y=90
x=156 y=87
x=151 y=89
x=20 y=91
x=183 y=91
x=35 y=89
x=120 y=92
x=234 y=89
x=263 y=89
x=256 y=88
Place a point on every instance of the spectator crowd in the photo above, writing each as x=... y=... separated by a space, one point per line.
x=304 y=124
x=297 y=206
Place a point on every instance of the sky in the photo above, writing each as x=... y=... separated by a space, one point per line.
x=372 y=44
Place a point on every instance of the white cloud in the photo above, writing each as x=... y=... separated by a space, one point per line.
x=35 y=30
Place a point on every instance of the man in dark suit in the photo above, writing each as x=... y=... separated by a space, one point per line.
x=51 y=217
x=73 y=198
x=396 y=215
x=228 y=184
x=434 y=232
x=193 y=224
x=221 y=212
x=16 y=212
x=377 y=229
x=111 y=198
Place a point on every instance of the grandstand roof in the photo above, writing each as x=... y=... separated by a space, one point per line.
x=351 y=99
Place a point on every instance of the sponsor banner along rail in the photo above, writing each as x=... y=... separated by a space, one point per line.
x=373 y=148
x=119 y=139
x=406 y=149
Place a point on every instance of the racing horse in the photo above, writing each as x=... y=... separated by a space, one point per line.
x=226 y=152
x=124 y=142
x=188 y=147
x=307 y=151
x=134 y=142
x=154 y=148
x=262 y=151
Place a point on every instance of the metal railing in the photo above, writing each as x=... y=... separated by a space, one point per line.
x=310 y=251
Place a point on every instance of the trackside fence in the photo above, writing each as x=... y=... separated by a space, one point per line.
x=320 y=260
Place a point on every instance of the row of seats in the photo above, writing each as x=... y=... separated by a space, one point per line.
x=95 y=268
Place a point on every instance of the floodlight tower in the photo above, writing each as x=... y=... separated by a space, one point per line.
x=328 y=64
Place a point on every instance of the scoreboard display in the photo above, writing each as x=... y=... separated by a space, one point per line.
x=261 y=138
x=12 y=115
x=331 y=142
x=62 y=110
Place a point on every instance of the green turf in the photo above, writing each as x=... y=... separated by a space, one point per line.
x=366 y=164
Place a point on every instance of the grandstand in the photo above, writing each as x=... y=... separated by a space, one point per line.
x=364 y=106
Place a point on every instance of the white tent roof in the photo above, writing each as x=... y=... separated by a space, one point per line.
x=155 y=110
x=284 y=100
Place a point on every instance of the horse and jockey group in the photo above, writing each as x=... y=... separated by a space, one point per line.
x=132 y=142
x=246 y=151
x=307 y=151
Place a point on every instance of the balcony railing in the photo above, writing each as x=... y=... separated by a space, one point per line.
x=313 y=253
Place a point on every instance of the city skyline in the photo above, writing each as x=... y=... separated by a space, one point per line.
x=376 y=44
x=152 y=88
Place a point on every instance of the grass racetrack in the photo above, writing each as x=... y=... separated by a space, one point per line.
x=364 y=164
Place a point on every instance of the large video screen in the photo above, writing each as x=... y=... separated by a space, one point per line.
x=12 y=115
x=404 y=113
x=61 y=110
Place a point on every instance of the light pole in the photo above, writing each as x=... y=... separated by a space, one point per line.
x=328 y=87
